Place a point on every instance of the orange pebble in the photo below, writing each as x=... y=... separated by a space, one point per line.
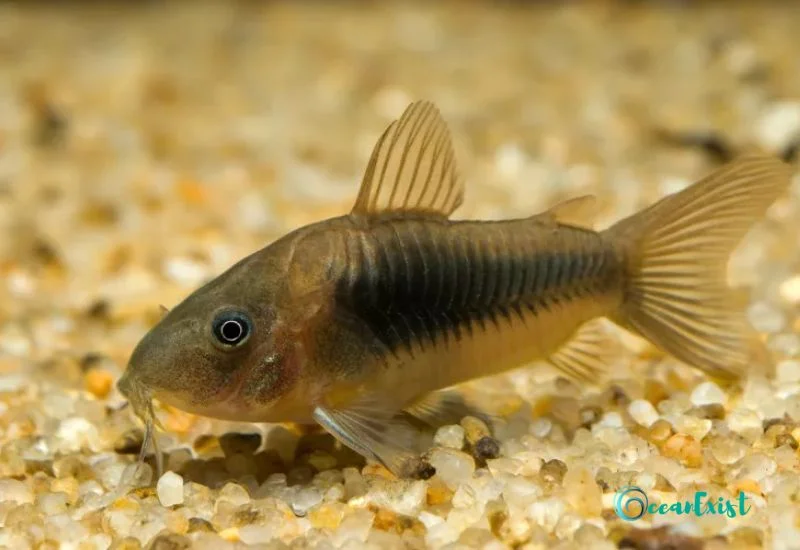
x=386 y=520
x=438 y=492
x=660 y=431
x=178 y=421
x=746 y=486
x=685 y=448
x=327 y=516
x=98 y=382
x=542 y=407
x=191 y=192
x=374 y=469
x=230 y=534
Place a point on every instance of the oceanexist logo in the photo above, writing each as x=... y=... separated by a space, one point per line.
x=631 y=503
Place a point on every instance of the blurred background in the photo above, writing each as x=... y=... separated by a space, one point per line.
x=144 y=146
x=147 y=146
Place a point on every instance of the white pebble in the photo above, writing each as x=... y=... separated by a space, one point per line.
x=766 y=318
x=234 y=493
x=689 y=529
x=567 y=525
x=65 y=530
x=52 y=503
x=59 y=406
x=693 y=426
x=541 y=427
x=12 y=382
x=254 y=212
x=146 y=530
x=756 y=467
x=402 y=499
x=643 y=412
x=90 y=487
x=582 y=491
x=788 y=371
x=790 y=290
x=14 y=341
x=453 y=467
x=528 y=463
x=98 y=541
x=520 y=492
x=109 y=471
x=645 y=480
x=500 y=466
x=185 y=271
x=76 y=433
x=669 y=185
x=464 y=497
x=389 y=101
x=121 y=521
x=727 y=450
x=450 y=436
x=779 y=124
x=786 y=344
x=335 y=493
x=746 y=423
x=610 y=420
x=429 y=520
x=546 y=513
x=708 y=393
x=354 y=527
x=170 y=489
x=256 y=534
x=15 y=491
x=20 y=283
x=305 y=499
x=509 y=160
x=441 y=535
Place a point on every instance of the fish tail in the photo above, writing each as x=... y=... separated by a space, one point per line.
x=676 y=254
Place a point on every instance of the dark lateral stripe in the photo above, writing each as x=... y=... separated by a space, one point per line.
x=475 y=258
x=517 y=277
x=489 y=277
x=417 y=286
x=501 y=292
x=464 y=267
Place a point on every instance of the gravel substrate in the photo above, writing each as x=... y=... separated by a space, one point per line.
x=145 y=147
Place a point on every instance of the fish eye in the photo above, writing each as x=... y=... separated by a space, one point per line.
x=231 y=328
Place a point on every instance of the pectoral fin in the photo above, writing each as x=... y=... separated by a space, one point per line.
x=372 y=430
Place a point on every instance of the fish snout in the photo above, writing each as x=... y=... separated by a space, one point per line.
x=125 y=385
x=146 y=368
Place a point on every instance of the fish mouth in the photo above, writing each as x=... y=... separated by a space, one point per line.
x=227 y=403
x=136 y=393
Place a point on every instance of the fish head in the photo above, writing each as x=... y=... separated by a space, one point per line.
x=225 y=351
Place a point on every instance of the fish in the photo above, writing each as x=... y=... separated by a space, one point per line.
x=364 y=321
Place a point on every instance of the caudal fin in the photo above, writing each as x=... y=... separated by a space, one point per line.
x=677 y=253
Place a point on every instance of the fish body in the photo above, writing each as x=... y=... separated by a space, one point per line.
x=350 y=321
x=439 y=302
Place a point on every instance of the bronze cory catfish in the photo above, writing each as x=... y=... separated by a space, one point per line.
x=351 y=321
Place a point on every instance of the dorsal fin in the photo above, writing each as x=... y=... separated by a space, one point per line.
x=412 y=167
x=577 y=212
